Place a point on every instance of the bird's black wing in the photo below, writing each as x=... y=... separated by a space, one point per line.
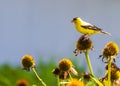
x=91 y=27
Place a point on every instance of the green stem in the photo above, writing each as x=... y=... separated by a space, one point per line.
x=33 y=69
x=96 y=80
x=109 y=71
x=70 y=76
x=58 y=79
x=88 y=62
x=91 y=70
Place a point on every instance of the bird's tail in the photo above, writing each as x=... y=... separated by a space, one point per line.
x=106 y=33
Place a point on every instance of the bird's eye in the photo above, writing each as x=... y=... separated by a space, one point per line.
x=74 y=19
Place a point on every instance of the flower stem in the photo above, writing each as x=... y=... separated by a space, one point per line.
x=70 y=76
x=33 y=69
x=109 y=71
x=96 y=80
x=58 y=79
x=91 y=70
x=88 y=62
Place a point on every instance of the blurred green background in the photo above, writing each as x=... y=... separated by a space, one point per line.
x=9 y=75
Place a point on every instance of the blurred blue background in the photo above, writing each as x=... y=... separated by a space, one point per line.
x=43 y=29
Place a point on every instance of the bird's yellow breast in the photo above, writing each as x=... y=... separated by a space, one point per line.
x=84 y=30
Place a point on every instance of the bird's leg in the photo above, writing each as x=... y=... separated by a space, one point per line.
x=84 y=35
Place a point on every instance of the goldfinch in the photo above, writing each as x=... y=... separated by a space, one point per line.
x=87 y=28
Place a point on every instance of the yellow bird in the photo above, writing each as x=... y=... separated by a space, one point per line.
x=87 y=28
